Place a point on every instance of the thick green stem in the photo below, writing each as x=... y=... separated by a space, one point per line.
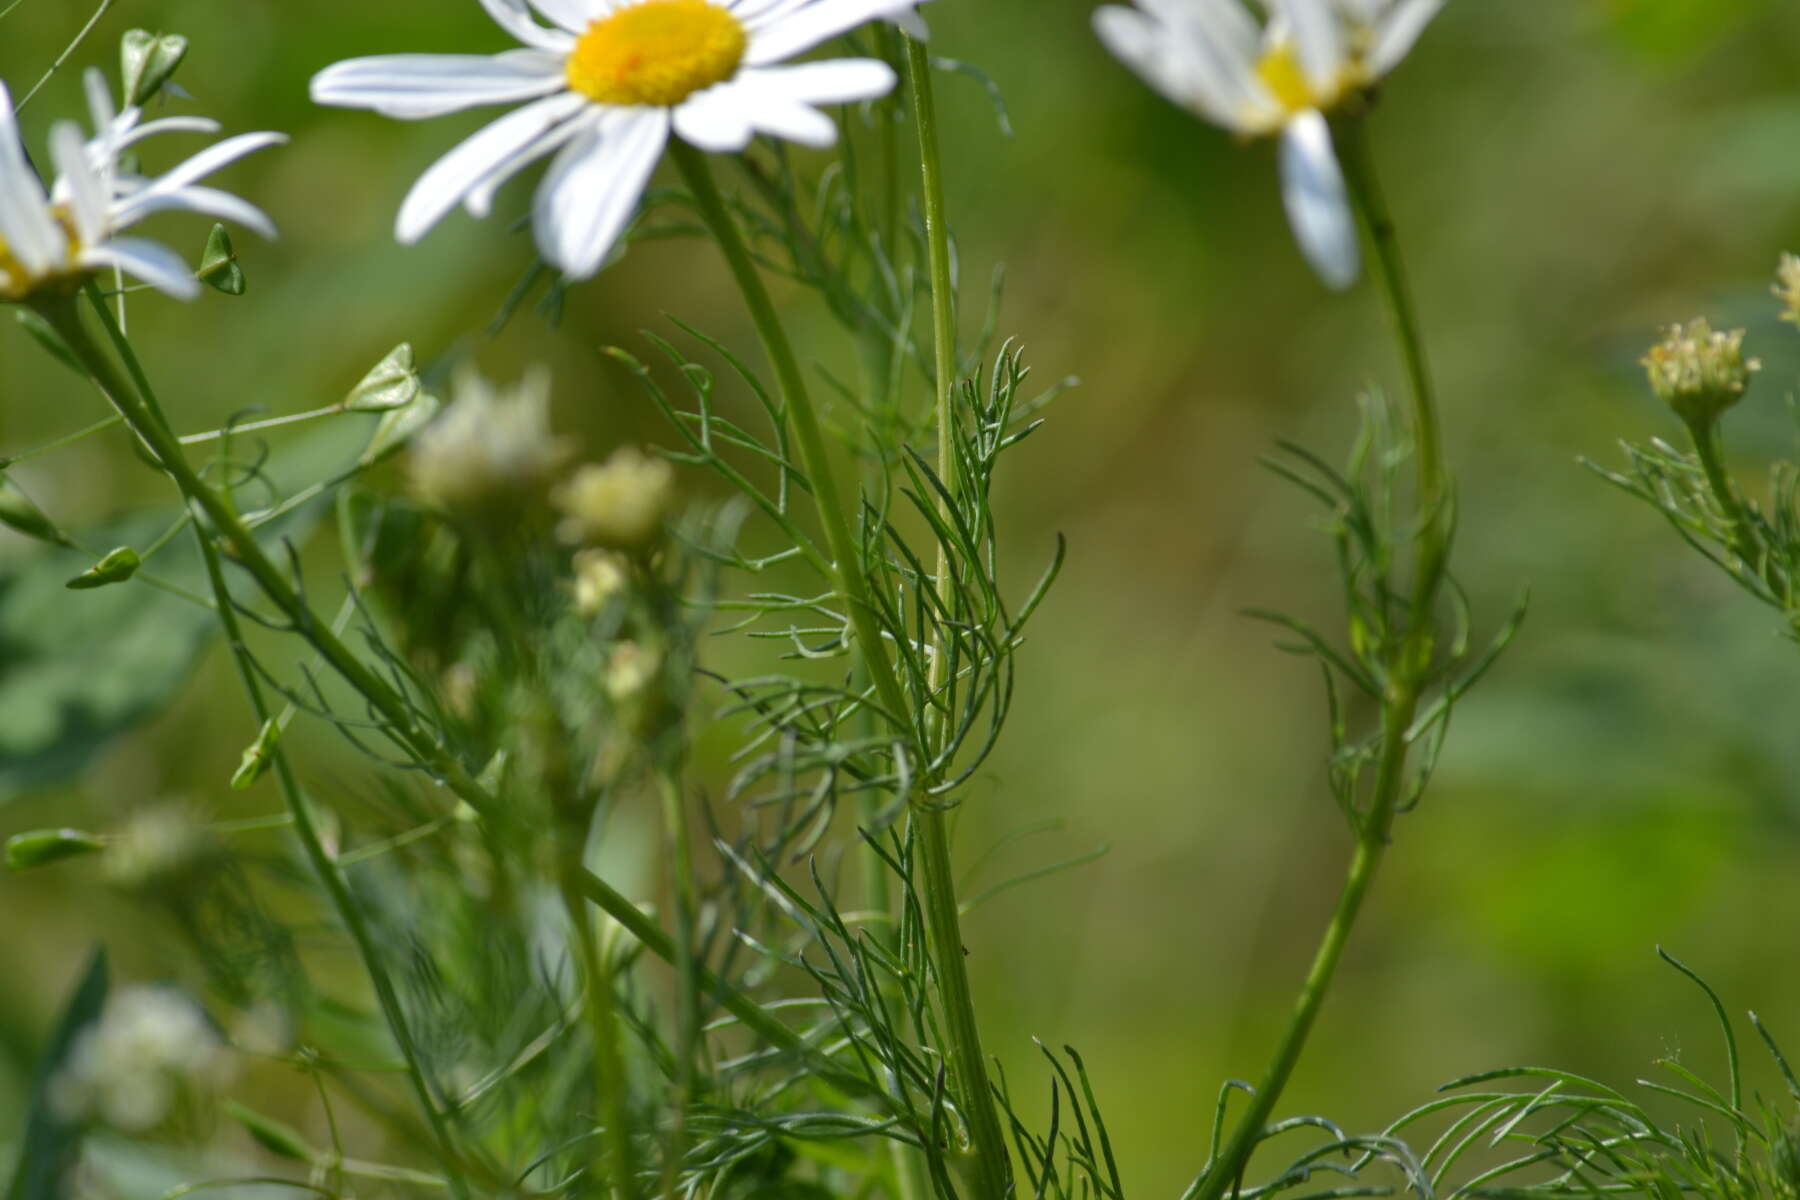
x=992 y=1168
x=1407 y=670
x=66 y=319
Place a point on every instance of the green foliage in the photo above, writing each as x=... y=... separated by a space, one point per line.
x=51 y=1143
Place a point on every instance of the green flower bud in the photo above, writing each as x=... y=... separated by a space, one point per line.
x=1699 y=372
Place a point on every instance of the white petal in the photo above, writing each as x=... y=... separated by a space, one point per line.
x=480 y=200
x=1200 y=64
x=164 y=125
x=911 y=24
x=1398 y=31
x=156 y=265
x=715 y=120
x=31 y=235
x=573 y=15
x=512 y=16
x=836 y=81
x=1318 y=39
x=443 y=186
x=414 y=86
x=214 y=158
x=99 y=98
x=1144 y=45
x=593 y=188
x=208 y=202
x=88 y=194
x=1317 y=202
x=803 y=28
x=782 y=116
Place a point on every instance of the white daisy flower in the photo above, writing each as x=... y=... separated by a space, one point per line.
x=603 y=86
x=56 y=240
x=1277 y=80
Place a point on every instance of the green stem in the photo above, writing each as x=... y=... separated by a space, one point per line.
x=815 y=459
x=992 y=1168
x=1407 y=672
x=1744 y=541
x=66 y=319
x=687 y=980
x=616 y=1159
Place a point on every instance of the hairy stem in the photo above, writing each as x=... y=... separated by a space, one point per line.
x=1407 y=672
x=992 y=1168
x=66 y=319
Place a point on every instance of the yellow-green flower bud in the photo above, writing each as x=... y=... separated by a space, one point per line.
x=599 y=576
x=1700 y=372
x=1787 y=287
x=619 y=504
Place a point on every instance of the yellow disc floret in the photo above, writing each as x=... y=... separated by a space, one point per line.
x=657 y=52
x=1281 y=72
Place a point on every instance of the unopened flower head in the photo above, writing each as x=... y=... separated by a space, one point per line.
x=602 y=86
x=1700 y=372
x=1787 y=287
x=52 y=241
x=150 y=1047
x=620 y=504
x=490 y=451
x=1280 y=79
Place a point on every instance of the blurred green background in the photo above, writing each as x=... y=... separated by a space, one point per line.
x=1567 y=174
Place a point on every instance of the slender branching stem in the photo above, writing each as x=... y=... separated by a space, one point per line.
x=1407 y=671
x=1744 y=540
x=615 y=1159
x=846 y=551
x=687 y=979
x=992 y=1169
x=137 y=394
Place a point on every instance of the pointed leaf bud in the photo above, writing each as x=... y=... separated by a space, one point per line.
x=392 y=383
x=146 y=60
x=19 y=514
x=219 y=264
x=40 y=847
x=118 y=566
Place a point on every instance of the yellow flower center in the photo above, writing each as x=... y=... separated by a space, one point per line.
x=658 y=52
x=20 y=283
x=1281 y=72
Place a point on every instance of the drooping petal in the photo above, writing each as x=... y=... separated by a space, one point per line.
x=32 y=236
x=1317 y=201
x=592 y=189
x=444 y=185
x=412 y=87
x=215 y=157
x=161 y=125
x=156 y=265
x=1398 y=30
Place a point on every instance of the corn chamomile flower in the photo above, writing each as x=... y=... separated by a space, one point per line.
x=602 y=87
x=1307 y=59
x=55 y=240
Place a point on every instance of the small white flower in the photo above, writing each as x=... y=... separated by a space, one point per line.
x=60 y=238
x=621 y=503
x=150 y=1045
x=488 y=448
x=1210 y=56
x=602 y=86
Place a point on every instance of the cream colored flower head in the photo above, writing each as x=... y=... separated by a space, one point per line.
x=130 y=1068
x=620 y=504
x=602 y=86
x=489 y=450
x=57 y=239
x=1276 y=78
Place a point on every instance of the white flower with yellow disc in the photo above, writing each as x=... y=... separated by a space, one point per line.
x=602 y=86
x=55 y=240
x=1279 y=78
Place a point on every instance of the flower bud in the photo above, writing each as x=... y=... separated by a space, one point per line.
x=619 y=504
x=1787 y=287
x=599 y=576
x=489 y=454
x=1699 y=372
x=630 y=670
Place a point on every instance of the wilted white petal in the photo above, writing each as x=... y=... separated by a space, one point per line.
x=1317 y=202
x=593 y=188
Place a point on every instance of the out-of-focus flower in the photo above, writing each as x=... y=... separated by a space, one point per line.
x=489 y=451
x=629 y=670
x=620 y=504
x=155 y=846
x=1787 y=287
x=54 y=241
x=1277 y=80
x=602 y=87
x=150 y=1046
x=1700 y=372
x=599 y=576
